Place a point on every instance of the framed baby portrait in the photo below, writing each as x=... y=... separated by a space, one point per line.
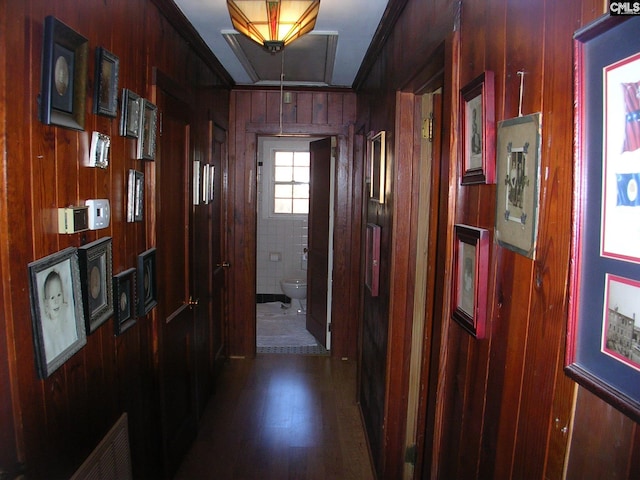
x=95 y=274
x=470 y=278
x=124 y=293
x=57 y=311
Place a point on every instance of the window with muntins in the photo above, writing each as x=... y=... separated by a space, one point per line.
x=290 y=183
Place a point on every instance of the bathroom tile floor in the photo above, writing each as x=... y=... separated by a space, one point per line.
x=282 y=330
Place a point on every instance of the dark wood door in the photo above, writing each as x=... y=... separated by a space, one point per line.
x=208 y=257
x=318 y=250
x=175 y=319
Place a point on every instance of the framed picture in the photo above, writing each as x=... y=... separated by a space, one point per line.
x=124 y=293
x=105 y=97
x=372 y=255
x=147 y=138
x=63 y=76
x=377 y=149
x=96 y=267
x=603 y=331
x=470 y=278
x=135 y=196
x=57 y=311
x=147 y=289
x=477 y=118
x=99 y=151
x=517 y=189
x=130 y=114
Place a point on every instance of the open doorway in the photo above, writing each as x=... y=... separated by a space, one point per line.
x=285 y=206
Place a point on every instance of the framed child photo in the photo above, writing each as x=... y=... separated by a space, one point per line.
x=57 y=311
x=105 y=97
x=147 y=286
x=95 y=261
x=124 y=294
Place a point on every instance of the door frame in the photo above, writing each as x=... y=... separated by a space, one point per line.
x=264 y=143
x=242 y=233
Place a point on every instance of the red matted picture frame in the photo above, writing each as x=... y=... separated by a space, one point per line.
x=372 y=265
x=470 y=278
x=603 y=330
x=478 y=131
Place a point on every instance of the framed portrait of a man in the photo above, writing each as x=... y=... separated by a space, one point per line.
x=56 y=309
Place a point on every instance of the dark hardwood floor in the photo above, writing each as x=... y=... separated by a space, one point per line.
x=281 y=417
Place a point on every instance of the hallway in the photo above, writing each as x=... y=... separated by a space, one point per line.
x=279 y=417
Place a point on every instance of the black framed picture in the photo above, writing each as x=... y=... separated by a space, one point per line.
x=57 y=311
x=147 y=137
x=147 y=287
x=603 y=340
x=95 y=260
x=130 y=114
x=124 y=294
x=63 y=76
x=105 y=97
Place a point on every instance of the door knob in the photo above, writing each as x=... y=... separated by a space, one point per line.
x=223 y=265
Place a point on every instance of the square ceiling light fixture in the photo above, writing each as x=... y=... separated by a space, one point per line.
x=273 y=23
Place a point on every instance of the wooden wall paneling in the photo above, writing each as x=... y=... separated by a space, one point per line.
x=304 y=109
x=601 y=439
x=551 y=267
x=320 y=108
x=64 y=415
x=272 y=113
x=473 y=33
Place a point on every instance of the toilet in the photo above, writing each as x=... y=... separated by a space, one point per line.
x=295 y=288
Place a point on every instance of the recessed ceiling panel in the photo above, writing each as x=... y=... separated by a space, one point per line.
x=309 y=60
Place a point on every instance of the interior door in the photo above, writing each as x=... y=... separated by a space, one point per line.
x=175 y=320
x=208 y=263
x=318 y=245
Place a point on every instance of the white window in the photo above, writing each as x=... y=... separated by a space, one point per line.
x=290 y=183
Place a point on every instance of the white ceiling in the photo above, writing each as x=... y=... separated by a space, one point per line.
x=316 y=59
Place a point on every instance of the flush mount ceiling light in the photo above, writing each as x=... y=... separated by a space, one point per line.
x=273 y=23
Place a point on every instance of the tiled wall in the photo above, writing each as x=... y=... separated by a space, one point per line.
x=285 y=237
